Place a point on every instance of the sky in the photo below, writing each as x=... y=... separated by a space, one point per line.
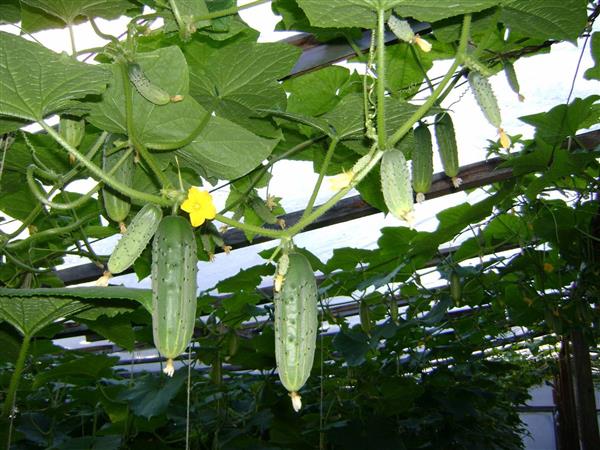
x=545 y=82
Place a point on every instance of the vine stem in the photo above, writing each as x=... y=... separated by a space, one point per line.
x=143 y=151
x=16 y=377
x=304 y=221
x=276 y=234
x=381 y=132
x=418 y=114
x=317 y=188
x=229 y=11
x=96 y=171
x=72 y=38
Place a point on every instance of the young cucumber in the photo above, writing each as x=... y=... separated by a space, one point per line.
x=422 y=162
x=296 y=325
x=482 y=89
x=116 y=204
x=134 y=241
x=396 y=186
x=144 y=86
x=447 y=148
x=173 y=287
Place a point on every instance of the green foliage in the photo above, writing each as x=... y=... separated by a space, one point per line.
x=416 y=372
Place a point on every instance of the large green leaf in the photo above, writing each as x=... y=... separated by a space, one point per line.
x=29 y=315
x=593 y=73
x=36 y=82
x=240 y=78
x=10 y=11
x=338 y=13
x=69 y=10
x=154 y=125
x=226 y=150
x=434 y=10
x=81 y=371
x=150 y=396
x=546 y=19
x=31 y=310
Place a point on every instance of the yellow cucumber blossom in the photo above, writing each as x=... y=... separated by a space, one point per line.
x=200 y=206
x=422 y=43
x=341 y=181
x=504 y=139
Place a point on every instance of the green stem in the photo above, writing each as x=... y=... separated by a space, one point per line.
x=68 y=176
x=304 y=221
x=229 y=11
x=50 y=233
x=97 y=172
x=17 y=262
x=107 y=37
x=421 y=68
x=72 y=38
x=420 y=112
x=142 y=150
x=315 y=192
x=175 y=10
x=16 y=377
x=264 y=169
x=276 y=234
x=381 y=132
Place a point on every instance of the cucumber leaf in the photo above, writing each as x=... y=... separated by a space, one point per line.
x=36 y=82
x=31 y=310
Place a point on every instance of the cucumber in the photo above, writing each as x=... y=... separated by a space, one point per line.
x=455 y=288
x=422 y=162
x=144 y=86
x=72 y=131
x=513 y=81
x=173 y=288
x=296 y=325
x=482 y=89
x=134 y=241
x=117 y=205
x=365 y=316
x=395 y=184
x=401 y=28
x=447 y=148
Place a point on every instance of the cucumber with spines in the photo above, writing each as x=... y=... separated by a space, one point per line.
x=117 y=205
x=135 y=239
x=151 y=92
x=422 y=162
x=174 y=268
x=296 y=323
x=447 y=148
x=396 y=185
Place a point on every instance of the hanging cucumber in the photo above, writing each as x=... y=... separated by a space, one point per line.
x=455 y=288
x=134 y=241
x=173 y=288
x=365 y=316
x=296 y=325
x=513 y=81
x=117 y=205
x=482 y=89
x=72 y=131
x=446 y=141
x=422 y=162
x=396 y=186
x=146 y=89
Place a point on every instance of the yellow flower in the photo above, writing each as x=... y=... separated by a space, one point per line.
x=200 y=206
x=422 y=43
x=341 y=181
x=548 y=268
x=504 y=139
